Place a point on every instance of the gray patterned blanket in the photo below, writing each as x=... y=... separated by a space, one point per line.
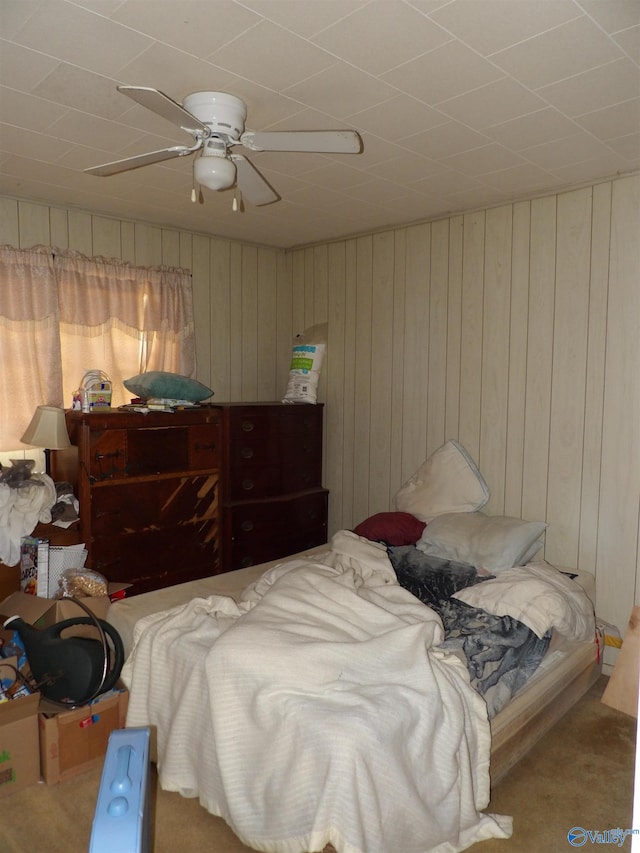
x=501 y=653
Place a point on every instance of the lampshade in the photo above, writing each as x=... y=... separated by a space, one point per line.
x=47 y=429
x=214 y=170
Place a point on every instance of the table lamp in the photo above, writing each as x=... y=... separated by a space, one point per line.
x=48 y=430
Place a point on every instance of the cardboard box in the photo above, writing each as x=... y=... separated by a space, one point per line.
x=19 y=751
x=72 y=742
x=43 y=612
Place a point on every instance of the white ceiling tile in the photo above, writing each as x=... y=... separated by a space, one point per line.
x=83 y=90
x=628 y=146
x=305 y=18
x=193 y=26
x=80 y=37
x=610 y=122
x=629 y=41
x=336 y=176
x=493 y=25
x=583 y=172
x=101 y=7
x=474 y=199
x=489 y=158
x=272 y=55
x=32 y=144
x=340 y=90
x=499 y=101
x=174 y=72
x=557 y=54
x=294 y=164
x=28 y=111
x=375 y=152
x=381 y=36
x=446 y=181
x=443 y=73
x=596 y=89
x=452 y=137
x=613 y=15
x=520 y=180
x=16 y=14
x=528 y=130
x=89 y=130
x=25 y=68
x=308 y=120
x=399 y=117
x=561 y=152
x=409 y=169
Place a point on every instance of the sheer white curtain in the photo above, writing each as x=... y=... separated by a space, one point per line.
x=122 y=319
x=30 y=364
x=62 y=313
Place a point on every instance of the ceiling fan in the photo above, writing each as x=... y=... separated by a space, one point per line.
x=216 y=122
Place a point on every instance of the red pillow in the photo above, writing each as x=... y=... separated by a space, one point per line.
x=392 y=528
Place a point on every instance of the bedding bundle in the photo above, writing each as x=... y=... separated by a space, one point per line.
x=502 y=626
x=319 y=709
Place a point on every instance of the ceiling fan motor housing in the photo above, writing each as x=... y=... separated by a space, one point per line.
x=224 y=114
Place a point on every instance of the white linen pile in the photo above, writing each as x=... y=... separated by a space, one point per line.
x=317 y=711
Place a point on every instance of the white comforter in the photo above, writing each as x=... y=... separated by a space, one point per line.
x=318 y=711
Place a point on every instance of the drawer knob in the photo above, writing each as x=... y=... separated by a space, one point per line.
x=211 y=446
x=247 y=526
x=247 y=453
x=247 y=426
x=247 y=485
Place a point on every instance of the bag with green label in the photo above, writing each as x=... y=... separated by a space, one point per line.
x=307 y=355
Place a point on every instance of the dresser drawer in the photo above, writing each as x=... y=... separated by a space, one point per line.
x=279 y=516
x=159 y=557
x=251 y=421
x=108 y=455
x=204 y=446
x=253 y=483
x=244 y=554
x=155 y=503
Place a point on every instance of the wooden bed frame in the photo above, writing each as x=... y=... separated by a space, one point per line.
x=539 y=706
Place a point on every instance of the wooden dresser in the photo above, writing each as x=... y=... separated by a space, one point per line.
x=273 y=501
x=149 y=492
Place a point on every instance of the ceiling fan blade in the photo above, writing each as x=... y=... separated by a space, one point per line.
x=140 y=160
x=318 y=141
x=251 y=183
x=163 y=105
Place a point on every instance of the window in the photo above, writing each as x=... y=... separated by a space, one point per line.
x=62 y=314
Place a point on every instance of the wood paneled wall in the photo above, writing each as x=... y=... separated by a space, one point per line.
x=515 y=330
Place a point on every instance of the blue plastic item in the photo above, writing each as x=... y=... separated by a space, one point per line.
x=122 y=816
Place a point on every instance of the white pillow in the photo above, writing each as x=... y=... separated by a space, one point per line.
x=448 y=481
x=539 y=596
x=492 y=542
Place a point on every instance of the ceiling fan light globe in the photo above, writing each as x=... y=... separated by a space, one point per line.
x=215 y=173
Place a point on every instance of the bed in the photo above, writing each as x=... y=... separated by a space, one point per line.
x=339 y=697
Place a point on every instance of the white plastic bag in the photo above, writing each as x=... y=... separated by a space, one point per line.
x=307 y=355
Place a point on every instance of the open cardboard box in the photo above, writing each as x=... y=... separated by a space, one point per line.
x=75 y=740
x=19 y=753
x=43 y=612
